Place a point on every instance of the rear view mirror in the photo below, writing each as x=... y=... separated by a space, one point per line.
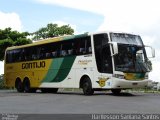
x=150 y=51
x=115 y=48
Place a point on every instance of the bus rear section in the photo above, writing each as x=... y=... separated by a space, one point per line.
x=48 y=65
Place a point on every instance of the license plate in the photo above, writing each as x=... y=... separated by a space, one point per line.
x=134 y=83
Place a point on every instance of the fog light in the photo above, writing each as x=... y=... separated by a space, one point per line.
x=146 y=76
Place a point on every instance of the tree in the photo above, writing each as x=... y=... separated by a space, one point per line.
x=22 y=41
x=52 y=30
x=3 y=45
x=10 y=38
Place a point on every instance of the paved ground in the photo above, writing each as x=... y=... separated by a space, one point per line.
x=77 y=103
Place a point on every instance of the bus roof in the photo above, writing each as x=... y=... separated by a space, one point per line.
x=62 y=38
x=49 y=40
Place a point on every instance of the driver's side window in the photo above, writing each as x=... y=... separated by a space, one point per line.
x=102 y=53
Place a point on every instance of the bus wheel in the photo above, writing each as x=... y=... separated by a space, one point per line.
x=116 y=91
x=87 y=87
x=26 y=85
x=19 y=85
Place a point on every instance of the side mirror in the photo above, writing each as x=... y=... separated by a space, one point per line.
x=152 y=51
x=115 y=47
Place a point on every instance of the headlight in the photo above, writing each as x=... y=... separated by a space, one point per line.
x=146 y=76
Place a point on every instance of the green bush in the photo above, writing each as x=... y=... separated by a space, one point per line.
x=2 y=86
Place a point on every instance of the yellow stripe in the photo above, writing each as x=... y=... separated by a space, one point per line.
x=36 y=74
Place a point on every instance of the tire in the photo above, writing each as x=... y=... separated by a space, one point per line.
x=19 y=86
x=116 y=91
x=26 y=85
x=49 y=90
x=87 y=87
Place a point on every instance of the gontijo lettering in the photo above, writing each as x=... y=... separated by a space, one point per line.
x=31 y=65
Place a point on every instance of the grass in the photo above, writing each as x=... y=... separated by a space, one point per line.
x=145 y=90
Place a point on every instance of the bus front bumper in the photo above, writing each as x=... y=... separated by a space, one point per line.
x=127 y=84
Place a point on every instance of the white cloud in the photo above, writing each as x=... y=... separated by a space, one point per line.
x=89 y=5
x=1 y=67
x=10 y=20
x=124 y=15
x=154 y=75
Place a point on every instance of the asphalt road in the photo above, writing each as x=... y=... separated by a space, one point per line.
x=77 y=103
x=74 y=105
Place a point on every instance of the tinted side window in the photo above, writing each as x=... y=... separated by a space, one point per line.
x=80 y=46
x=28 y=53
x=50 y=50
x=67 y=48
x=9 y=56
x=97 y=47
x=102 y=53
x=83 y=46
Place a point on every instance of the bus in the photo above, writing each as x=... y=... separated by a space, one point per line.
x=91 y=61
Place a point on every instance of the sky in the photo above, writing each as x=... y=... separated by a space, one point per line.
x=132 y=16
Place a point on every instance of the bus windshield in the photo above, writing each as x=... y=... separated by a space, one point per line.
x=131 y=56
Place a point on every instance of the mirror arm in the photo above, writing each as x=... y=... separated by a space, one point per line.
x=115 y=48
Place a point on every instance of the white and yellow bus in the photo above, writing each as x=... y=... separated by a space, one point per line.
x=98 y=61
